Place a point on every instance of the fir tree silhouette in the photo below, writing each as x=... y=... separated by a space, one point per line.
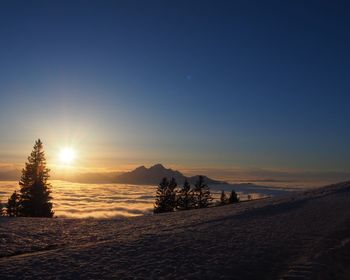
x=202 y=193
x=185 y=199
x=160 y=205
x=13 y=205
x=223 y=198
x=35 y=199
x=171 y=194
x=233 y=197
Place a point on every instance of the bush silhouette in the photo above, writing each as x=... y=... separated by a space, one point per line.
x=13 y=205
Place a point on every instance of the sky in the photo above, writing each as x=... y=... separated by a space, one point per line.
x=195 y=84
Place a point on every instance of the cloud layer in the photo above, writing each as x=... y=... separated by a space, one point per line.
x=75 y=200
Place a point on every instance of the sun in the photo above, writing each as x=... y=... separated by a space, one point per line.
x=67 y=155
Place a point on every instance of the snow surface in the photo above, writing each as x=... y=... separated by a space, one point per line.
x=299 y=236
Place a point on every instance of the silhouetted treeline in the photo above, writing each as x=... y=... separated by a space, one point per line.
x=33 y=199
x=171 y=197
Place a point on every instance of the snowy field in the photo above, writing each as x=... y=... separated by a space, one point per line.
x=297 y=236
x=75 y=200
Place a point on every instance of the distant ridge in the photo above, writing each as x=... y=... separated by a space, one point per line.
x=152 y=176
x=10 y=175
x=139 y=176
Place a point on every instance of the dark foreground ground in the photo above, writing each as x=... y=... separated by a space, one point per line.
x=303 y=236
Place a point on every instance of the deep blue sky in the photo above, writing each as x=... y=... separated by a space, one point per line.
x=195 y=83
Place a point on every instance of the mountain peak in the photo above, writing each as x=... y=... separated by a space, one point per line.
x=152 y=176
x=142 y=167
x=157 y=166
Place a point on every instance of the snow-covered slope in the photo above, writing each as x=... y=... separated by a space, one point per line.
x=300 y=236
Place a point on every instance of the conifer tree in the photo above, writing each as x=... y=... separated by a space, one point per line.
x=233 y=197
x=35 y=198
x=185 y=197
x=160 y=205
x=202 y=193
x=171 y=194
x=13 y=205
x=223 y=198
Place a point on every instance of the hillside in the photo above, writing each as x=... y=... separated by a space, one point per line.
x=301 y=236
x=153 y=175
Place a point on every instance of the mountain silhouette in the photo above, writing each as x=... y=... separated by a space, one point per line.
x=10 y=175
x=152 y=176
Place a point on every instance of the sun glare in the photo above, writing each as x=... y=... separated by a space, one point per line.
x=67 y=155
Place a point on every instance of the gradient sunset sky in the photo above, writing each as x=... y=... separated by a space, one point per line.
x=217 y=84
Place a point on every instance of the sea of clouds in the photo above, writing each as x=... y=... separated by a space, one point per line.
x=77 y=200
